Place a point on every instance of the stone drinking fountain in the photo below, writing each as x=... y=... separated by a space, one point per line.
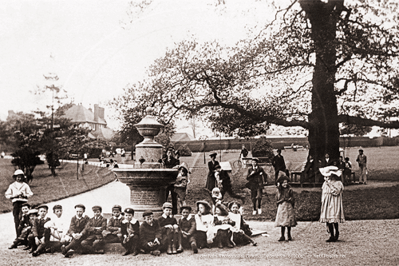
x=148 y=179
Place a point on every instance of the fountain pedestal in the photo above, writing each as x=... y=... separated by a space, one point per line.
x=148 y=180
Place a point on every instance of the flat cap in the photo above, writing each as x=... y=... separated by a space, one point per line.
x=147 y=213
x=96 y=208
x=167 y=205
x=119 y=207
x=80 y=206
x=130 y=210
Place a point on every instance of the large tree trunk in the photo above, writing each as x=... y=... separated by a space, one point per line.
x=323 y=130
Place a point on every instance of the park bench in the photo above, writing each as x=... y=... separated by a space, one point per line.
x=295 y=179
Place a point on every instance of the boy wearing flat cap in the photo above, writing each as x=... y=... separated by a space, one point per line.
x=18 y=192
x=113 y=232
x=130 y=233
x=37 y=239
x=78 y=223
x=187 y=229
x=150 y=234
x=92 y=233
x=170 y=230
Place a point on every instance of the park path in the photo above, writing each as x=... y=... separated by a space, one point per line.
x=372 y=242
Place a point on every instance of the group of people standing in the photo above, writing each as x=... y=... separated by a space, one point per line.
x=311 y=173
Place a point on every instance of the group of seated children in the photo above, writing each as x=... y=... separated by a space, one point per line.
x=42 y=234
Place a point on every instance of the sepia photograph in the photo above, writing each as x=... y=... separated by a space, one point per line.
x=212 y=132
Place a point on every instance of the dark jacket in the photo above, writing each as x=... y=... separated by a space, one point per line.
x=114 y=224
x=187 y=225
x=170 y=163
x=135 y=227
x=225 y=178
x=38 y=226
x=148 y=233
x=166 y=221
x=278 y=163
x=256 y=180
x=90 y=228
x=78 y=225
x=24 y=222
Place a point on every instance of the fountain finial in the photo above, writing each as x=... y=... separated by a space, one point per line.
x=149 y=110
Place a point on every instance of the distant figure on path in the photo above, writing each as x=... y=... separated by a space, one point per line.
x=362 y=161
x=244 y=152
x=278 y=164
x=211 y=180
x=3 y=154
x=18 y=192
x=332 y=211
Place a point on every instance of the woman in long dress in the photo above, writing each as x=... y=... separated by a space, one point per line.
x=211 y=180
x=332 y=211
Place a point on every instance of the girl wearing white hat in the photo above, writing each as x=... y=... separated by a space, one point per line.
x=332 y=211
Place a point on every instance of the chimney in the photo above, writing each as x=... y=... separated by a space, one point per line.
x=101 y=112
x=96 y=110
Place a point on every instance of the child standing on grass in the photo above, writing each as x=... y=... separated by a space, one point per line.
x=285 y=217
x=331 y=201
x=18 y=192
x=347 y=170
x=180 y=186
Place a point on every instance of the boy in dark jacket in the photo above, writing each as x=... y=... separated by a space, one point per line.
x=37 y=239
x=187 y=229
x=78 y=224
x=170 y=230
x=93 y=238
x=150 y=234
x=130 y=233
x=24 y=227
x=113 y=232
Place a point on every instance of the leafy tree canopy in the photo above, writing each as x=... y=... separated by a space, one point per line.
x=317 y=64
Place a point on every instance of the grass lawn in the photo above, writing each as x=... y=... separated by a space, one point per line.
x=367 y=202
x=47 y=188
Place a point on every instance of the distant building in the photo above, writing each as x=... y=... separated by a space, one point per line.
x=88 y=119
x=181 y=137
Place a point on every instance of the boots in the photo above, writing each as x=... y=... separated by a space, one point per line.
x=194 y=247
x=178 y=242
x=174 y=251
x=218 y=241
x=39 y=250
x=228 y=240
x=169 y=249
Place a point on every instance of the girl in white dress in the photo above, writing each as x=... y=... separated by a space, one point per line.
x=332 y=211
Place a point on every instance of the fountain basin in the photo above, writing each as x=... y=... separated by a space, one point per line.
x=147 y=187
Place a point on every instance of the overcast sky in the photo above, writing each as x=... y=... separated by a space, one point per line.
x=86 y=45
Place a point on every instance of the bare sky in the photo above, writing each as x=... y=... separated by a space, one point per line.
x=93 y=55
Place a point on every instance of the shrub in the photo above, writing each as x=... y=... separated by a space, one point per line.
x=263 y=148
x=184 y=150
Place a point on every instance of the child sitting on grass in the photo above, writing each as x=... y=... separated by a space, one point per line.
x=22 y=227
x=25 y=227
x=170 y=230
x=130 y=233
x=113 y=232
x=241 y=230
x=223 y=226
x=187 y=229
x=93 y=242
x=285 y=217
x=37 y=239
x=56 y=230
x=150 y=234
x=204 y=221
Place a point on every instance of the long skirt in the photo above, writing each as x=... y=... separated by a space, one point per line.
x=285 y=215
